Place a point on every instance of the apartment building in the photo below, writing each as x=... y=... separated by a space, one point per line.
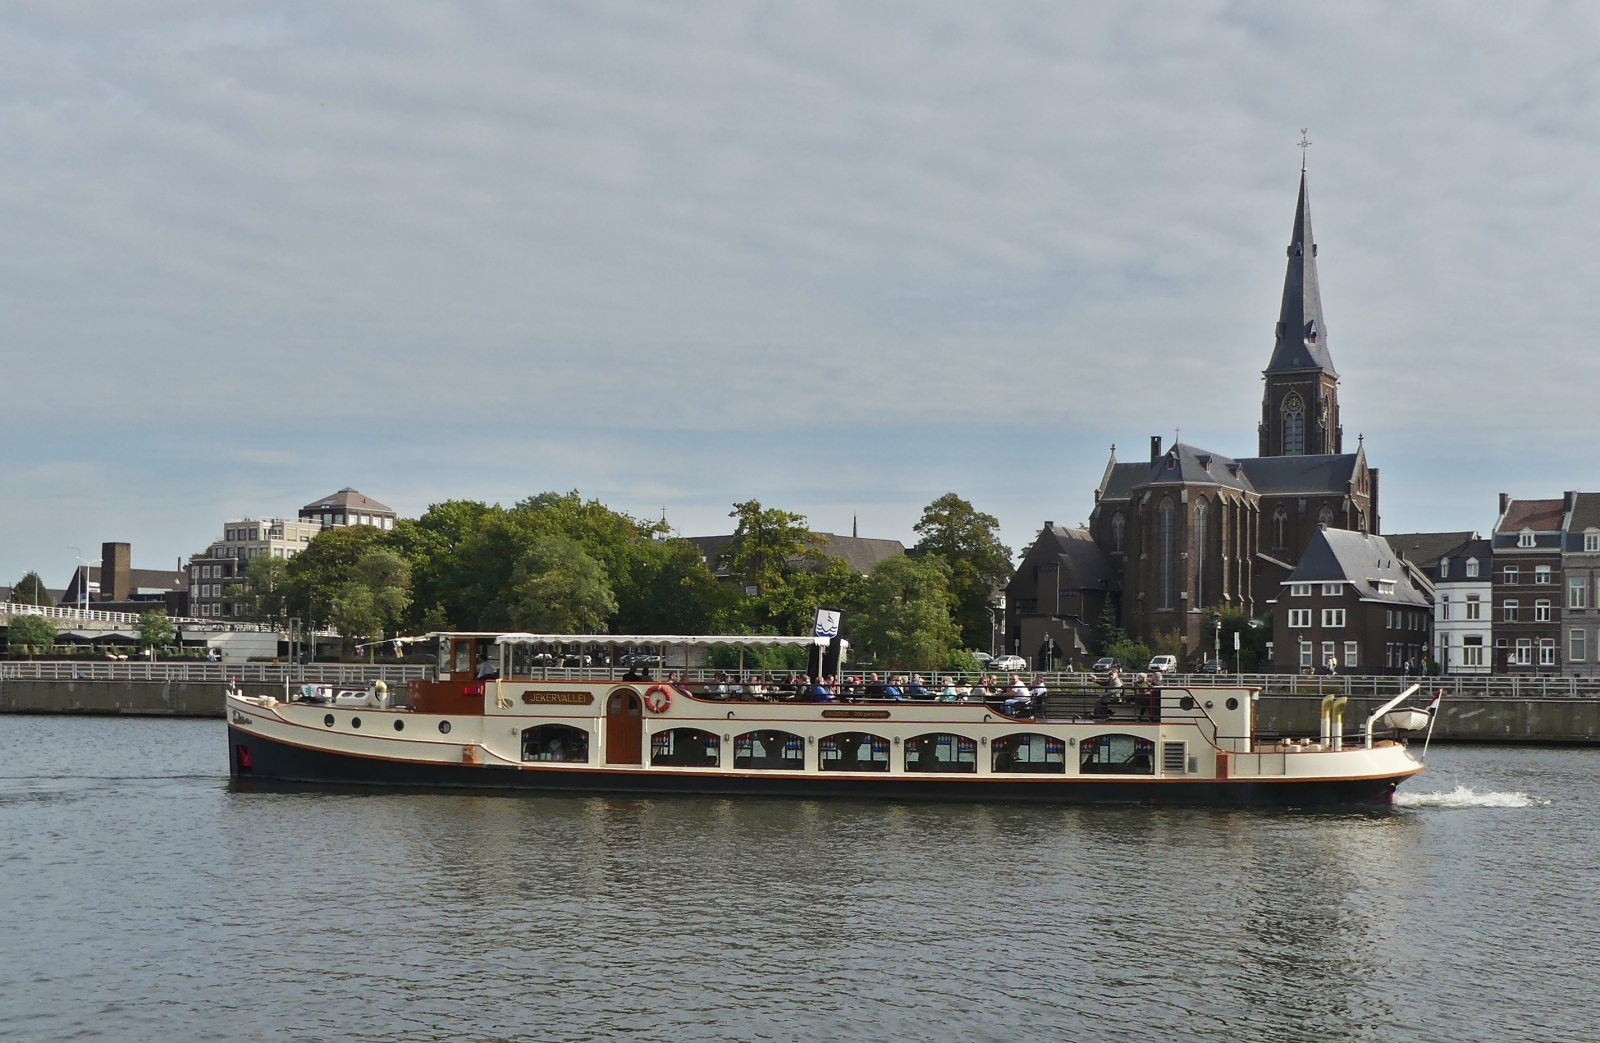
x=1528 y=584
x=1456 y=572
x=348 y=507
x=1580 y=565
x=216 y=575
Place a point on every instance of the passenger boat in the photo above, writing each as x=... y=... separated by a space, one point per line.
x=534 y=726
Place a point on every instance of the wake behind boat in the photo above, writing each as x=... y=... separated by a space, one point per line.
x=517 y=728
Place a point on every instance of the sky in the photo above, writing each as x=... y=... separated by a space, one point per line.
x=838 y=257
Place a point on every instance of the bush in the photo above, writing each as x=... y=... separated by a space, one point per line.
x=30 y=631
x=1133 y=655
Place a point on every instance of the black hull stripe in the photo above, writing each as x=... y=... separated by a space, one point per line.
x=271 y=761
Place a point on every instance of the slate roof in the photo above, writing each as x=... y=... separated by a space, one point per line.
x=1585 y=513
x=1481 y=549
x=1120 y=480
x=1360 y=559
x=1083 y=565
x=1424 y=549
x=1538 y=515
x=1302 y=337
x=1290 y=475
x=1188 y=465
x=348 y=498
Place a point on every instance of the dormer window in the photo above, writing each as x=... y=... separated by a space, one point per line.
x=1591 y=541
x=1472 y=568
x=1525 y=538
x=1444 y=568
x=1311 y=331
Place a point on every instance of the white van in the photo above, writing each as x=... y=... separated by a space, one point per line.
x=1163 y=664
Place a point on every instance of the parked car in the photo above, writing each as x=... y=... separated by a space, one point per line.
x=1212 y=666
x=1008 y=663
x=1163 y=664
x=983 y=658
x=1103 y=666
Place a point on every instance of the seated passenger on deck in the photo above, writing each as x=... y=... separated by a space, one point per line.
x=488 y=671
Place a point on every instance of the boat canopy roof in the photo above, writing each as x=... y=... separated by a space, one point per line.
x=692 y=640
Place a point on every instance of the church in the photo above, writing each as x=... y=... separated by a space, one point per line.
x=1190 y=530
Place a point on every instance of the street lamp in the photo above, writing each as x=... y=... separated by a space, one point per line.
x=83 y=584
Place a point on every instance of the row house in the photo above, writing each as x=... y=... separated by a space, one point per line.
x=1354 y=603
x=1580 y=565
x=1528 y=585
x=1456 y=570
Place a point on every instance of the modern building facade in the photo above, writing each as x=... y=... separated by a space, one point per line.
x=215 y=576
x=1351 y=602
x=116 y=586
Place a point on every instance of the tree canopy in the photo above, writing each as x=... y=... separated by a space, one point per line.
x=155 y=629
x=29 y=590
x=904 y=617
x=30 y=631
x=968 y=541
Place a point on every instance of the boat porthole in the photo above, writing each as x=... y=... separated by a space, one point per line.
x=355 y=722
x=399 y=725
x=328 y=720
x=1210 y=705
x=444 y=727
x=1232 y=703
x=1186 y=703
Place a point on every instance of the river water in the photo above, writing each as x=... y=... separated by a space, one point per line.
x=143 y=899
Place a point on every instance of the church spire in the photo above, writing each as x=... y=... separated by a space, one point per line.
x=1302 y=338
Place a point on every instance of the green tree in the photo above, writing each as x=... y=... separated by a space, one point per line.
x=375 y=596
x=904 y=618
x=319 y=573
x=30 y=632
x=155 y=629
x=1253 y=637
x=1106 y=630
x=29 y=590
x=780 y=571
x=266 y=588
x=557 y=588
x=968 y=541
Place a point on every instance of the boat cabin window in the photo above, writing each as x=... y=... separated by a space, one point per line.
x=1117 y=755
x=461 y=663
x=853 y=751
x=1029 y=751
x=769 y=750
x=942 y=752
x=555 y=742
x=685 y=748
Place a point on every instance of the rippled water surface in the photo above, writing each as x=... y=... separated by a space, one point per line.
x=143 y=900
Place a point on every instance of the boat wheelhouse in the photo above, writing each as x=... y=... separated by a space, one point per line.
x=521 y=712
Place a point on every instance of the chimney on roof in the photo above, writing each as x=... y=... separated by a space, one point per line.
x=1569 y=500
x=1505 y=501
x=1155 y=449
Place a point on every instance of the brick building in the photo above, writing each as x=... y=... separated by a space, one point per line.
x=1353 y=600
x=1528 y=584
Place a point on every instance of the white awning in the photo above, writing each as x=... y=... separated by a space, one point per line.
x=694 y=641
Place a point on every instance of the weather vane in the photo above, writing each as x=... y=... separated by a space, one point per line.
x=1304 y=143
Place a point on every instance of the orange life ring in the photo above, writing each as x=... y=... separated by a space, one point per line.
x=658 y=698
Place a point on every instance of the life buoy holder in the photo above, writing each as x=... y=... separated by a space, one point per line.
x=657 y=698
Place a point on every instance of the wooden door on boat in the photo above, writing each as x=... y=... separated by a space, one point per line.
x=624 y=728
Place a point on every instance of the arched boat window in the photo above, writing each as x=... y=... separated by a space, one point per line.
x=685 y=748
x=1029 y=752
x=769 y=750
x=1117 y=755
x=853 y=751
x=555 y=742
x=942 y=752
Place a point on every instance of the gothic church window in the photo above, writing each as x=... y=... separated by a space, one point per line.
x=1166 y=537
x=1119 y=528
x=1200 y=551
x=1325 y=516
x=1280 y=525
x=1294 y=426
